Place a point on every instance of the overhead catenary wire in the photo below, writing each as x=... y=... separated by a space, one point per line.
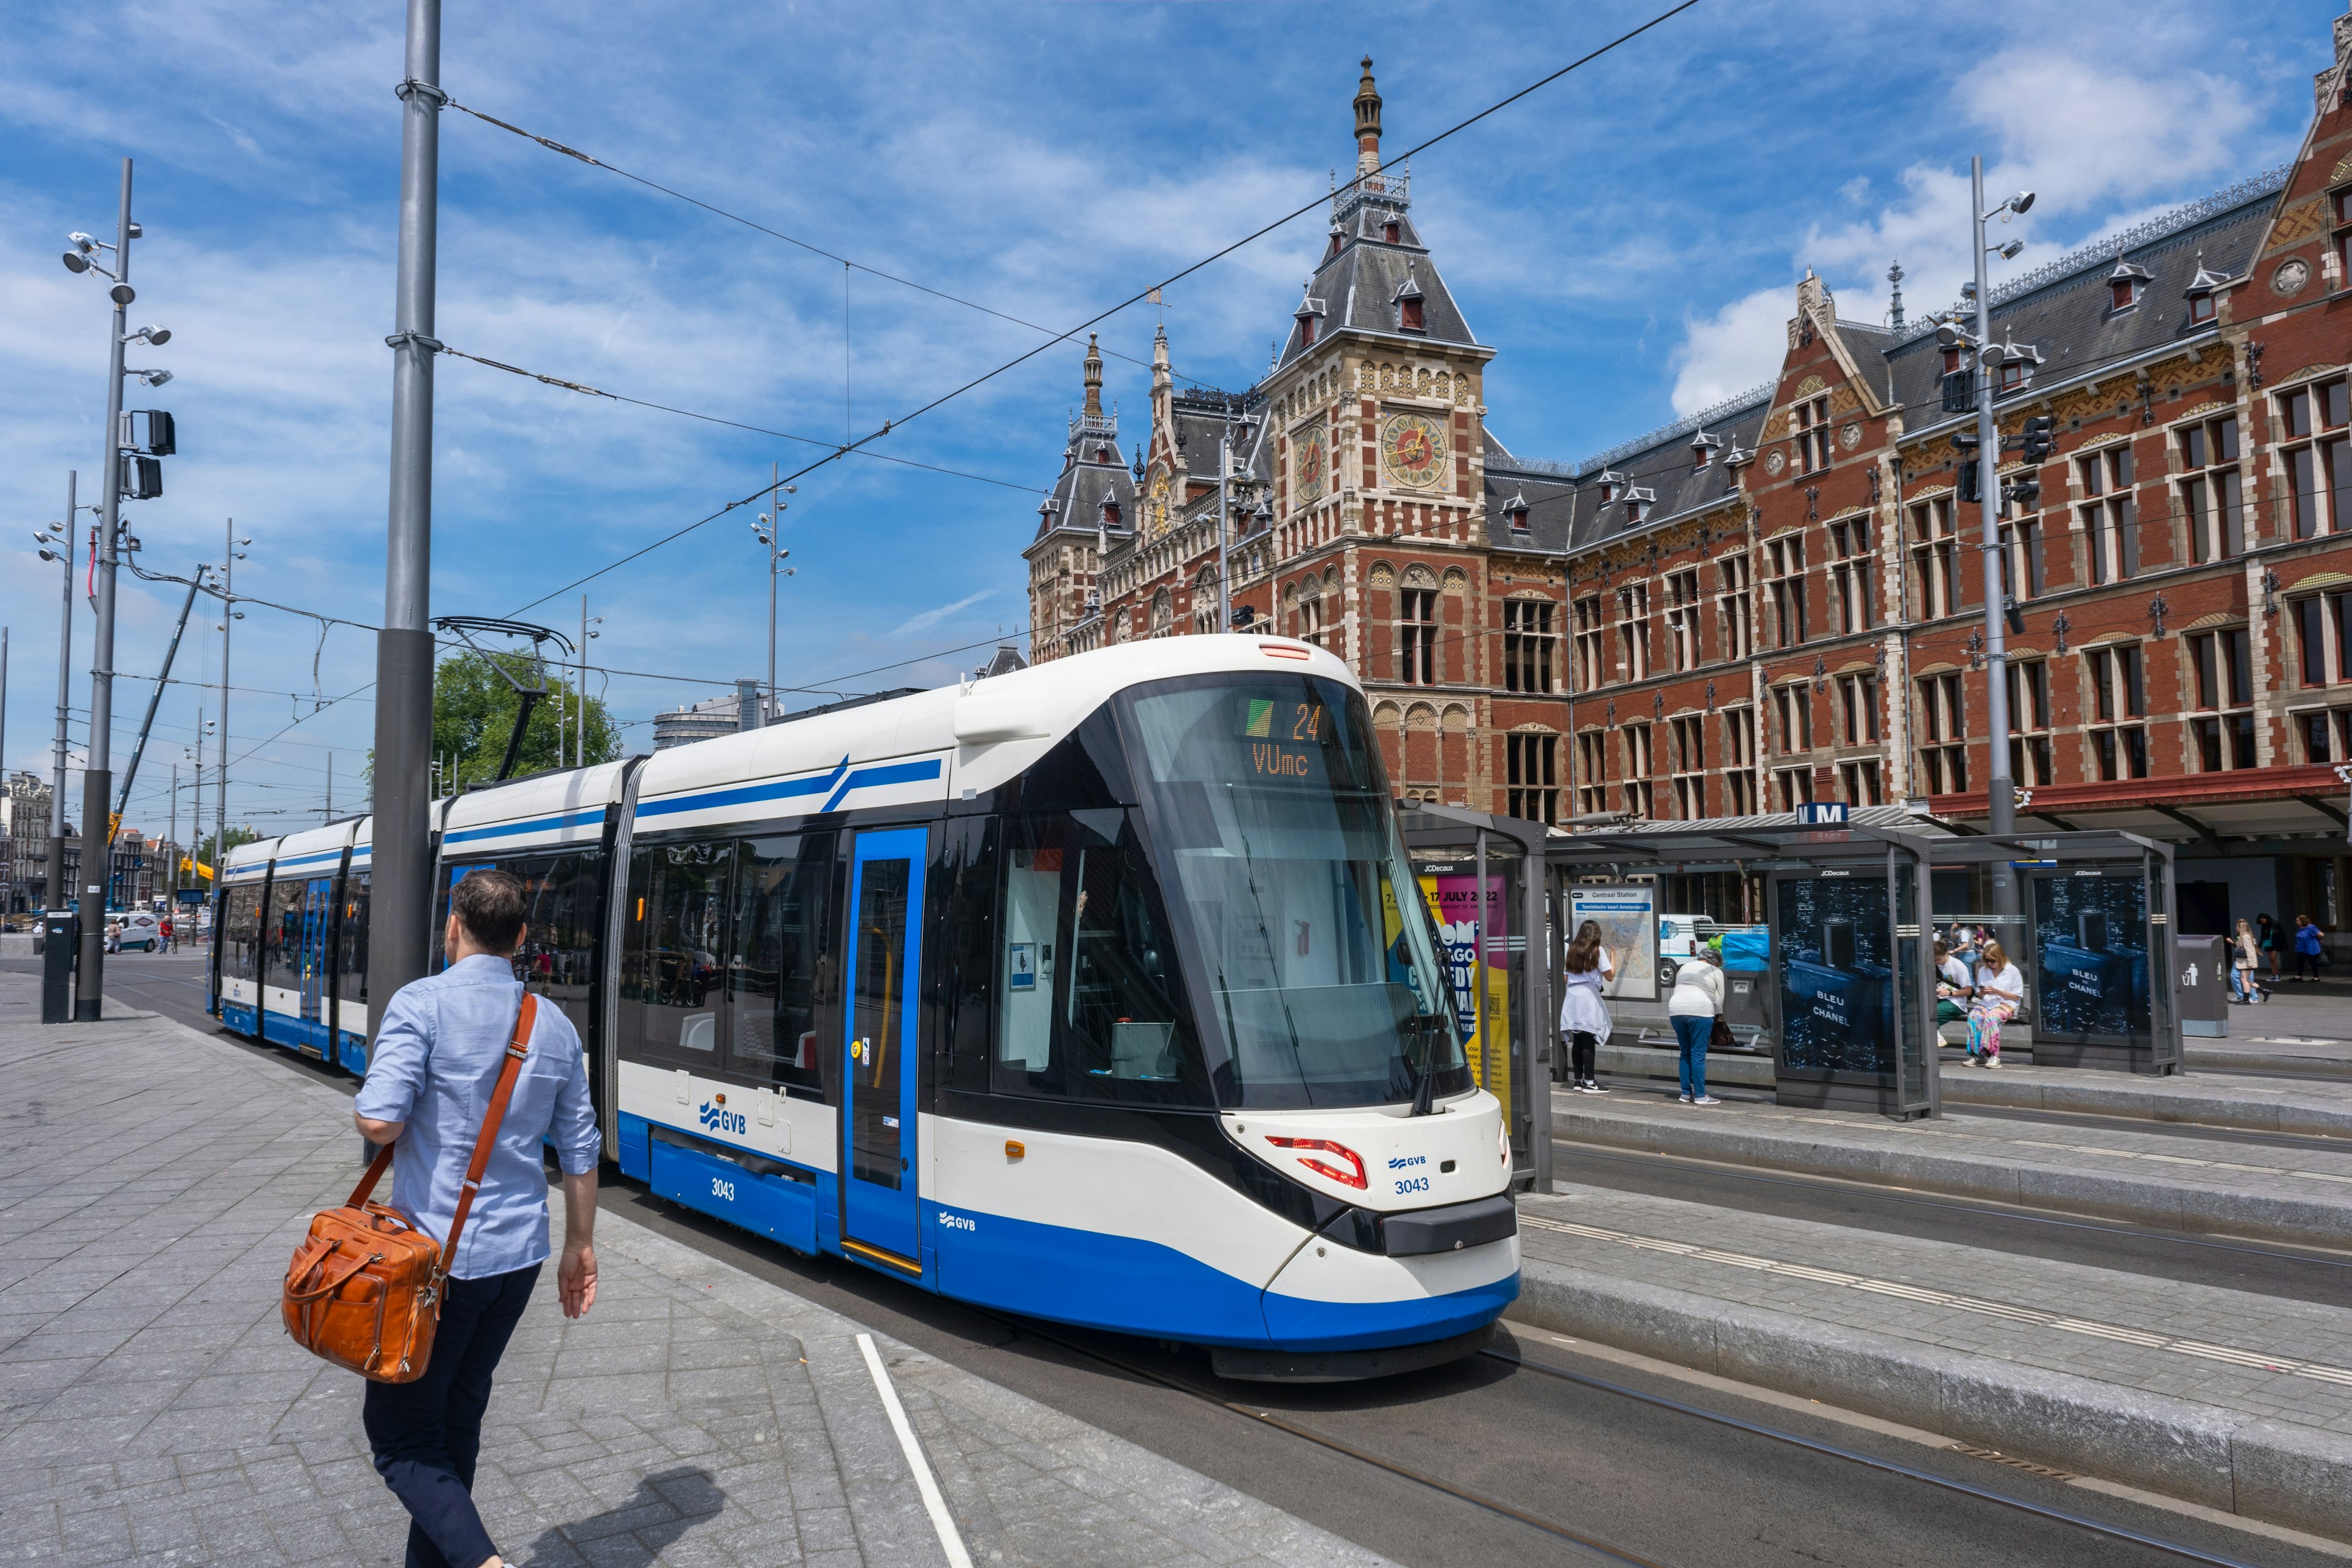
x=888 y=425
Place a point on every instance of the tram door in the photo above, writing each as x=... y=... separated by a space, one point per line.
x=318 y=912
x=886 y=900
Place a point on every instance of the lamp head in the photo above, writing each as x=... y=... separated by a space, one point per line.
x=158 y=336
x=121 y=294
x=2008 y=252
x=76 y=262
x=2021 y=202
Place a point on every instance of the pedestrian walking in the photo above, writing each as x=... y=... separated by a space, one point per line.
x=166 y=928
x=1999 y=992
x=1694 y=1007
x=2245 y=964
x=2266 y=937
x=429 y=1080
x=2310 y=944
x=1583 y=1014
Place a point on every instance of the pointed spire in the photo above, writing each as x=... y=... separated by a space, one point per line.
x=1894 y=278
x=1094 y=379
x=1368 y=123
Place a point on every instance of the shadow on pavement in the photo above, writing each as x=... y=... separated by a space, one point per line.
x=633 y=1535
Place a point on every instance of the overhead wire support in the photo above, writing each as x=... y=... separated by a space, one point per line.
x=888 y=426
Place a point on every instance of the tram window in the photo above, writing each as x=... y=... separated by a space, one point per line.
x=562 y=914
x=964 y=955
x=241 y=933
x=281 y=944
x=1320 y=969
x=352 y=940
x=779 y=955
x=1093 y=1003
x=674 y=960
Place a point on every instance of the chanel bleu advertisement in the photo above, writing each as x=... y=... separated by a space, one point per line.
x=2091 y=957
x=1837 y=989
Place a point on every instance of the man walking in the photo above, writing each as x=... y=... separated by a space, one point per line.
x=429 y=1080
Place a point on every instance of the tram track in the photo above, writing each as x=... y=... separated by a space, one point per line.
x=1605 y=1550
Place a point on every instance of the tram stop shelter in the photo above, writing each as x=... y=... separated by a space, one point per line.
x=1484 y=877
x=1851 y=912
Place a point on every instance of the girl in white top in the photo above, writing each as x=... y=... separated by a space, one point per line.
x=1693 y=1008
x=1584 y=1015
x=1999 y=989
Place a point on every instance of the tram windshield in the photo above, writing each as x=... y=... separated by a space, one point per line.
x=1278 y=842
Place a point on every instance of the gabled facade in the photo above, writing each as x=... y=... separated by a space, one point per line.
x=1780 y=600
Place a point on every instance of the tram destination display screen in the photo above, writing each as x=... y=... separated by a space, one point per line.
x=1276 y=839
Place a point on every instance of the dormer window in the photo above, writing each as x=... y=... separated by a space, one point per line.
x=1611 y=485
x=1703 y=448
x=1516 y=509
x=1638 y=504
x=1339 y=238
x=1951 y=359
x=1409 y=316
x=1390 y=228
x=2203 y=291
x=1110 y=514
x=2123 y=286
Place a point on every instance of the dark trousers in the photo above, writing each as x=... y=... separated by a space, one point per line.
x=426 y=1434
x=2306 y=963
x=1581 y=1045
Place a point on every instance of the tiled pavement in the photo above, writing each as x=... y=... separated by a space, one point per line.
x=153 y=1182
x=2277 y=1334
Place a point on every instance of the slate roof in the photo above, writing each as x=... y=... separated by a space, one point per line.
x=1564 y=507
x=1077 y=499
x=2070 y=316
x=1358 y=286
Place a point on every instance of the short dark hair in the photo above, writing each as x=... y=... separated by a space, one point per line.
x=489 y=903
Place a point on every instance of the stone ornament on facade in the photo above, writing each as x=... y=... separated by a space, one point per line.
x=1774 y=462
x=1412 y=451
x=1850 y=438
x=2290 y=276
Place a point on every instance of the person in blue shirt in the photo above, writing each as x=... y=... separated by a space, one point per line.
x=430 y=1077
x=2310 y=945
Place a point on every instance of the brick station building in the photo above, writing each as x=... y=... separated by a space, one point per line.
x=1780 y=600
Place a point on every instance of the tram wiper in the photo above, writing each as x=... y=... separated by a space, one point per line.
x=1424 y=1079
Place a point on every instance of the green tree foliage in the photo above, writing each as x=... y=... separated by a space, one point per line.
x=474 y=713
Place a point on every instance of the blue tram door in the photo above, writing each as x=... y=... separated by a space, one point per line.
x=317 y=907
x=878 y=1197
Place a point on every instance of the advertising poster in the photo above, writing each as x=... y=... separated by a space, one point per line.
x=1453 y=901
x=2090 y=957
x=1628 y=918
x=1837 y=979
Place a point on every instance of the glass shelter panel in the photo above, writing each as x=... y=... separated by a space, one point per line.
x=2091 y=957
x=1835 y=946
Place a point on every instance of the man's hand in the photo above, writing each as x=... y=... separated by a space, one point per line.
x=575 y=1280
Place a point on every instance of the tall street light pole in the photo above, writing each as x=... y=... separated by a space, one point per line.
x=397 y=937
x=97 y=775
x=2002 y=788
x=65 y=548
x=230 y=555
x=770 y=531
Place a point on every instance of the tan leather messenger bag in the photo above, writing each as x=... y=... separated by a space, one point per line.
x=363 y=1290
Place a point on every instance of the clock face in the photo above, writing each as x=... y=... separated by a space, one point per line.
x=1310 y=462
x=1412 y=451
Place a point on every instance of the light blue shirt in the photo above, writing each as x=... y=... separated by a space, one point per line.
x=435 y=1064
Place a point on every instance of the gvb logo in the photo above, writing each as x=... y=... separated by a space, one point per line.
x=715 y=1120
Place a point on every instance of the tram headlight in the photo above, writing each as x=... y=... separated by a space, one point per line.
x=1502 y=1137
x=1352 y=1177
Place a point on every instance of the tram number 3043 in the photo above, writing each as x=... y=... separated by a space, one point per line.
x=720 y=1187
x=1413 y=1185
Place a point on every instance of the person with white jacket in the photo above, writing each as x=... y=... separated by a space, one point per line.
x=1694 y=1007
x=1584 y=1015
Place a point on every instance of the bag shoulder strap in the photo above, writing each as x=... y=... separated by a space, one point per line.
x=517 y=1048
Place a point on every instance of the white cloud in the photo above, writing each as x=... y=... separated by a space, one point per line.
x=929 y=618
x=1725 y=354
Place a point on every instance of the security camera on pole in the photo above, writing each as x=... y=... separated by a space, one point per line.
x=134 y=471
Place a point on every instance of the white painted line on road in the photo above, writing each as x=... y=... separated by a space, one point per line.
x=2032 y=1316
x=950 y=1542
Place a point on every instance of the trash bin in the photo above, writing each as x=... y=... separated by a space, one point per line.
x=2201 y=985
x=60 y=941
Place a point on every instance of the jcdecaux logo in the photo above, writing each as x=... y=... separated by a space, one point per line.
x=715 y=1120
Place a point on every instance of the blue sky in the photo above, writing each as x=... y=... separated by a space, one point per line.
x=1628 y=238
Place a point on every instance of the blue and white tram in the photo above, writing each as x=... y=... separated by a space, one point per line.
x=1100 y=992
x=290 y=952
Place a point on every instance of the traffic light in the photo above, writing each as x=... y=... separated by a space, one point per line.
x=148 y=430
x=141 y=478
x=1970 y=482
x=1959 y=391
x=2041 y=438
x=2024 y=492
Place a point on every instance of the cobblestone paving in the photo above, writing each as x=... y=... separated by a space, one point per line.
x=152 y=1411
x=2302 y=1330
